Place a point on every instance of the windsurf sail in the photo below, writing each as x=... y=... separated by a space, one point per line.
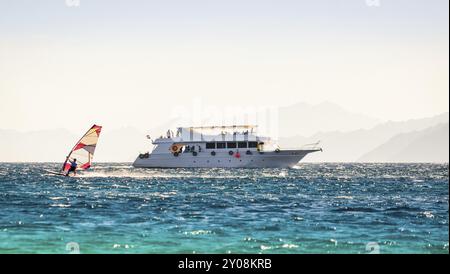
x=84 y=149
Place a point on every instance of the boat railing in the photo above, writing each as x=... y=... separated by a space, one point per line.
x=313 y=146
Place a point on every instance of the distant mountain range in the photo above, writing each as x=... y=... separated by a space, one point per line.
x=345 y=136
x=353 y=145
x=428 y=145
x=297 y=119
x=306 y=119
x=35 y=146
x=120 y=145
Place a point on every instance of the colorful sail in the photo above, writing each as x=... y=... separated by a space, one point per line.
x=84 y=150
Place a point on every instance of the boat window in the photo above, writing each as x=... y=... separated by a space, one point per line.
x=210 y=145
x=242 y=144
x=220 y=145
x=231 y=144
x=252 y=144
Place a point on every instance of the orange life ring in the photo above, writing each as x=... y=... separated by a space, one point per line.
x=174 y=148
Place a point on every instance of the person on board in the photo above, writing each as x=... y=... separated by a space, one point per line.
x=73 y=166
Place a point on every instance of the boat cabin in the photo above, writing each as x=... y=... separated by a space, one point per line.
x=212 y=139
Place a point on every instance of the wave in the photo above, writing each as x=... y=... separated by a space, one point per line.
x=355 y=209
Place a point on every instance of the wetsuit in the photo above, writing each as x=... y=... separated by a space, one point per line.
x=73 y=167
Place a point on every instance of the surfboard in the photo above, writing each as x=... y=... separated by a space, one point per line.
x=58 y=173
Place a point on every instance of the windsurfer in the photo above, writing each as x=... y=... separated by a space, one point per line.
x=73 y=166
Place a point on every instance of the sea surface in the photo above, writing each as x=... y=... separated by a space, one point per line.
x=313 y=208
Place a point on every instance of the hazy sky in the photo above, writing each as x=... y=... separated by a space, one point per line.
x=128 y=63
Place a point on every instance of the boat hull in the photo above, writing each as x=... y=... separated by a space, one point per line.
x=281 y=159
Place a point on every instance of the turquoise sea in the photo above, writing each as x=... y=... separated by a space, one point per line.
x=313 y=208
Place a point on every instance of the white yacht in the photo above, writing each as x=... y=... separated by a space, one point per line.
x=219 y=147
